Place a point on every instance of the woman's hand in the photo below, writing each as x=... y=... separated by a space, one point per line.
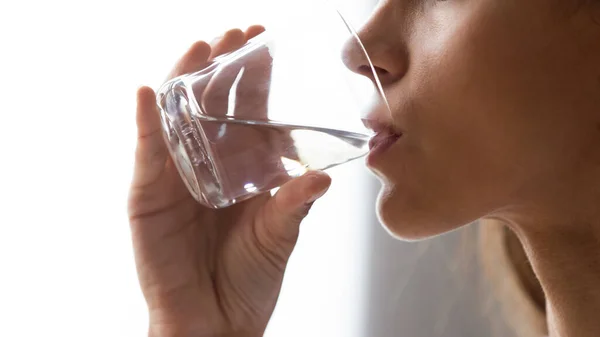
x=206 y=272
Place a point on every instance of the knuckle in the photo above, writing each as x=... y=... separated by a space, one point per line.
x=269 y=250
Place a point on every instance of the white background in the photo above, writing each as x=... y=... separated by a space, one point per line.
x=68 y=75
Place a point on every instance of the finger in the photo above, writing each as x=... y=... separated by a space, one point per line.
x=215 y=93
x=301 y=191
x=151 y=151
x=198 y=55
x=264 y=147
x=253 y=31
x=252 y=94
x=193 y=60
x=260 y=249
x=231 y=40
x=213 y=98
x=252 y=102
x=284 y=212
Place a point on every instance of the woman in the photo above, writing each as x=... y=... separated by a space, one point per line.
x=514 y=285
x=495 y=115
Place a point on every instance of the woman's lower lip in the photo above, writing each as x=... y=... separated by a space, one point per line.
x=379 y=144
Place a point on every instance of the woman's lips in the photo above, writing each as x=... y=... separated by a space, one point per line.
x=385 y=136
x=382 y=141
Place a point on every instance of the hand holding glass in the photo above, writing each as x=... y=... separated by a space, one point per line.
x=282 y=104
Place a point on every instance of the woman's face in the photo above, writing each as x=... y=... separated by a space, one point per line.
x=498 y=104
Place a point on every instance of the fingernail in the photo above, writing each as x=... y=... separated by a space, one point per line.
x=317 y=194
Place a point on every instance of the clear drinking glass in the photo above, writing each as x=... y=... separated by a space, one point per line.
x=281 y=105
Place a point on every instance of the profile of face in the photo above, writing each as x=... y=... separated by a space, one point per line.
x=497 y=104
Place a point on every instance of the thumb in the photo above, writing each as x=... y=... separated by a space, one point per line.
x=265 y=250
x=278 y=229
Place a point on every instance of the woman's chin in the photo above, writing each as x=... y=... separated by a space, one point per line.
x=407 y=219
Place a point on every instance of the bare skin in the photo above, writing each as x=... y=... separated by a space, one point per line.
x=498 y=103
x=498 y=107
x=208 y=272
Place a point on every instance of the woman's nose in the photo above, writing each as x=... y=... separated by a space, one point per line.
x=387 y=55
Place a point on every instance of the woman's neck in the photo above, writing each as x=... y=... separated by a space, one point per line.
x=567 y=263
x=560 y=233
